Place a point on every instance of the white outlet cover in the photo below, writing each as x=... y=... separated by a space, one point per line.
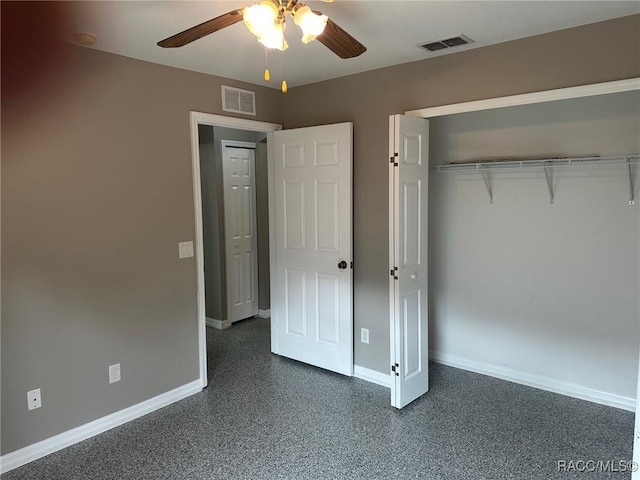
x=34 y=399
x=114 y=373
x=185 y=249
x=364 y=335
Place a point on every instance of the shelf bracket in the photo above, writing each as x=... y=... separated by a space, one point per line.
x=547 y=173
x=632 y=187
x=487 y=183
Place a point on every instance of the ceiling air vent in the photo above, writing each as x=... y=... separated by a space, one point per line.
x=237 y=100
x=446 y=43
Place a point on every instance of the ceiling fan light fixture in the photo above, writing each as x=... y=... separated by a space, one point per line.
x=309 y=22
x=274 y=37
x=260 y=18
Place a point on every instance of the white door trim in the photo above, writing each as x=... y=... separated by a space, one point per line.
x=636 y=432
x=529 y=98
x=272 y=239
x=238 y=143
x=199 y=118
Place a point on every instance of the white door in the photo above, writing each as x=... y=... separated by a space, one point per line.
x=636 y=437
x=408 y=188
x=311 y=300
x=238 y=166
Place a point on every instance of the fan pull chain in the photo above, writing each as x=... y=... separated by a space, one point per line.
x=267 y=75
x=284 y=72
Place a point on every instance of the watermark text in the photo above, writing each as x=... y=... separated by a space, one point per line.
x=599 y=466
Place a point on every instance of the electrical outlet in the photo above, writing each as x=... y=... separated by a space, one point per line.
x=34 y=399
x=364 y=335
x=114 y=373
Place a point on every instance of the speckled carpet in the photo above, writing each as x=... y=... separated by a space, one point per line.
x=266 y=417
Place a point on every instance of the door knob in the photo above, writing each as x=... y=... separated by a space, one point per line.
x=342 y=265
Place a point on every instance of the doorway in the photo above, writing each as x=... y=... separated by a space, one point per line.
x=233 y=171
x=203 y=140
x=319 y=220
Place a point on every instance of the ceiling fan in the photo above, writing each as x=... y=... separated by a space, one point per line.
x=267 y=19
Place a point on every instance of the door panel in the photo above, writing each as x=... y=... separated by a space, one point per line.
x=413 y=333
x=328 y=308
x=326 y=216
x=296 y=302
x=311 y=307
x=409 y=170
x=240 y=231
x=411 y=247
x=293 y=215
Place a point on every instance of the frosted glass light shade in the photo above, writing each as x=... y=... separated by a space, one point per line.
x=310 y=23
x=260 y=18
x=274 y=38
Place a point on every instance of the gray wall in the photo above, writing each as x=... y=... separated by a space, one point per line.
x=570 y=57
x=210 y=185
x=546 y=290
x=96 y=194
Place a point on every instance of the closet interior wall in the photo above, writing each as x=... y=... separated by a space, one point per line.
x=543 y=292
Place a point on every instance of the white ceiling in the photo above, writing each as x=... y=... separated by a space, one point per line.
x=389 y=29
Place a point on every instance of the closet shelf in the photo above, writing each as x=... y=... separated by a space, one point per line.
x=537 y=163
x=545 y=163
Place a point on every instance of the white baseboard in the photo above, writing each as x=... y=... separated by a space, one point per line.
x=372 y=376
x=264 y=313
x=219 y=324
x=536 y=381
x=75 y=435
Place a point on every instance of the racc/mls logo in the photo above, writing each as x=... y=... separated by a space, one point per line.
x=600 y=466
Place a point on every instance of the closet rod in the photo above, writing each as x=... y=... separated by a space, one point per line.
x=547 y=164
x=539 y=163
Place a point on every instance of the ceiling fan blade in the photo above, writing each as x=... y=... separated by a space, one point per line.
x=339 y=41
x=202 y=30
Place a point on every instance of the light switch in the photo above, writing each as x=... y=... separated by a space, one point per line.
x=185 y=249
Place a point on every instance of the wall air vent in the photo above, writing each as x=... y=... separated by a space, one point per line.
x=450 y=42
x=237 y=100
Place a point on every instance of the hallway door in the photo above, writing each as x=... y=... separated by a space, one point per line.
x=241 y=247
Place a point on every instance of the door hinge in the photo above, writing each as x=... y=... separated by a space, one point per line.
x=393 y=272
x=393 y=160
x=396 y=369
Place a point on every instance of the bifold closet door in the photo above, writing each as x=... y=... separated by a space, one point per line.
x=408 y=196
